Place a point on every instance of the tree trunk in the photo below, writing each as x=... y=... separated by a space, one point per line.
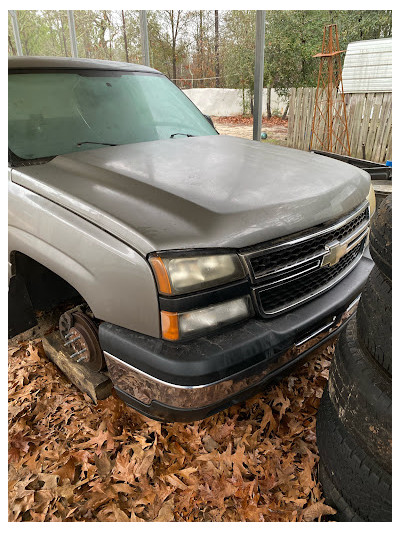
x=125 y=39
x=201 y=48
x=269 y=90
x=10 y=44
x=284 y=116
x=63 y=36
x=216 y=48
x=174 y=73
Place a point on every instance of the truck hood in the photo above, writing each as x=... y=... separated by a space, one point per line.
x=198 y=192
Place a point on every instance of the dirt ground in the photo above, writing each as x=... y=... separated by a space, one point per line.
x=71 y=460
x=275 y=128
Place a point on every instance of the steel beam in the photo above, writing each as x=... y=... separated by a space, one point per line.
x=144 y=38
x=72 y=34
x=258 y=74
x=16 y=32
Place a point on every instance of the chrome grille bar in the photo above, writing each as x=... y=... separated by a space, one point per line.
x=281 y=245
x=305 y=264
x=261 y=292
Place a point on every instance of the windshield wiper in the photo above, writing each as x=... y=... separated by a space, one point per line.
x=94 y=142
x=187 y=135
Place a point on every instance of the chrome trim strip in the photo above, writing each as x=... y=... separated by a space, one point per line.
x=256 y=290
x=247 y=256
x=156 y=380
x=292 y=266
x=146 y=388
x=283 y=280
x=357 y=239
x=353 y=306
x=356 y=233
x=320 y=330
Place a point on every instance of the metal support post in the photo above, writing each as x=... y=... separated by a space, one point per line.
x=144 y=37
x=259 y=74
x=16 y=32
x=72 y=34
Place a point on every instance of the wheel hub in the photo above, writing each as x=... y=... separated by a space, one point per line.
x=80 y=336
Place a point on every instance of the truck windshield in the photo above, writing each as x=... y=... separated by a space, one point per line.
x=57 y=113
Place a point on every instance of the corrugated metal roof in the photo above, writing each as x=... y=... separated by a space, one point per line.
x=368 y=66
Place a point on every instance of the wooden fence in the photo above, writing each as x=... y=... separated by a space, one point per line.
x=369 y=118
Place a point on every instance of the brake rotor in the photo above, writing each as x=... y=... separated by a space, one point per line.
x=81 y=338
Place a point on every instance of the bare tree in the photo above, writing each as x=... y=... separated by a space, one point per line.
x=125 y=38
x=11 y=45
x=269 y=91
x=216 y=48
x=201 y=46
x=63 y=35
x=174 y=21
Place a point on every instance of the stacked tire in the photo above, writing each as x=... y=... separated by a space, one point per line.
x=354 y=421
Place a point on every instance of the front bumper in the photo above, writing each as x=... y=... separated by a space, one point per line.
x=190 y=381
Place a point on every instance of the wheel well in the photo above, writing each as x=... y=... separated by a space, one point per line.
x=46 y=289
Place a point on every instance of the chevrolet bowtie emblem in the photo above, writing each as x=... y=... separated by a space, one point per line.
x=334 y=252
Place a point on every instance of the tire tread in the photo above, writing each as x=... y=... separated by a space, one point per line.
x=362 y=484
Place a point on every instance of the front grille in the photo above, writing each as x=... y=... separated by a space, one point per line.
x=287 y=295
x=289 y=271
x=286 y=255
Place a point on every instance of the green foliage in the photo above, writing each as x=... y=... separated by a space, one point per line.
x=238 y=48
x=168 y=40
x=294 y=37
x=40 y=32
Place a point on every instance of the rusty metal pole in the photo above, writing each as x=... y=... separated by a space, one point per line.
x=258 y=74
x=340 y=87
x=330 y=92
x=329 y=129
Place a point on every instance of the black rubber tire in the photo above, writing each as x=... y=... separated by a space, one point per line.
x=381 y=237
x=361 y=393
x=358 y=485
x=333 y=497
x=374 y=319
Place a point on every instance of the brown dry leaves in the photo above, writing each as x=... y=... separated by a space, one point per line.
x=244 y=120
x=72 y=461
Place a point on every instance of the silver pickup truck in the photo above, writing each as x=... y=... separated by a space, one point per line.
x=197 y=266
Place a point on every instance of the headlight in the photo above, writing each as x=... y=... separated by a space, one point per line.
x=181 y=326
x=180 y=275
x=372 y=200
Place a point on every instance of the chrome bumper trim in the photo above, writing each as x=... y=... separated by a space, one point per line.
x=146 y=388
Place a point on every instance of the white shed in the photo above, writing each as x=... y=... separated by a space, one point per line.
x=368 y=66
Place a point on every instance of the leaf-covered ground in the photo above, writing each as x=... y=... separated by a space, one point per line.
x=70 y=460
x=247 y=120
x=242 y=126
